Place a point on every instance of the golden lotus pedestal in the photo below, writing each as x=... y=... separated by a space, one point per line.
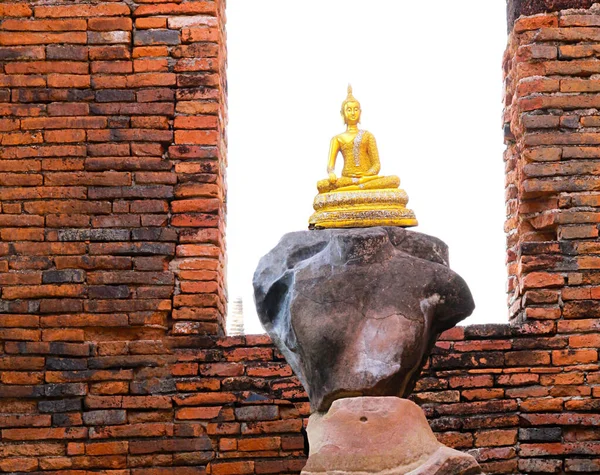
x=361 y=209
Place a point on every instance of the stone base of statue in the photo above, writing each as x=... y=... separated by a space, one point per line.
x=362 y=208
x=379 y=436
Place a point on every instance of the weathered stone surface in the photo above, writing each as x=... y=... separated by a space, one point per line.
x=356 y=311
x=379 y=435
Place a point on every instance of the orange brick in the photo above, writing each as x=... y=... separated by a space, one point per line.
x=535 y=22
x=259 y=444
x=571 y=357
x=147 y=23
x=232 y=468
x=151 y=79
x=82 y=10
x=22 y=234
x=149 y=65
x=45 y=433
x=107 y=448
x=43 y=67
x=542 y=279
x=198 y=122
x=495 y=438
x=22 y=378
x=150 y=51
x=15 y=10
x=203 y=413
x=68 y=80
x=191 y=35
x=584 y=341
x=69 y=334
x=64 y=136
x=31 y=38
x=44 y=25
x=196 y=137
x=194 y=8
x=150 y=122
x=22 y=138
x=37 y=291
x=18 y=464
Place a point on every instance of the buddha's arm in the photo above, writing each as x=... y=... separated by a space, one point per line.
x=373 y=155
x=334 y=148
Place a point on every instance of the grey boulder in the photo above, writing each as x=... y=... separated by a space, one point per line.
x=357 y=311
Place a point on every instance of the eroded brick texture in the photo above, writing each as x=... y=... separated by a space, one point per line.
x=516 y=8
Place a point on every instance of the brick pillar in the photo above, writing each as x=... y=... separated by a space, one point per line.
x=112 y=192
x=199 y=153
x=112 y=168
x=553 y=164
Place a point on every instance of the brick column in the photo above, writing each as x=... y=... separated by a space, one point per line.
x=553 y=166
x=199 y=152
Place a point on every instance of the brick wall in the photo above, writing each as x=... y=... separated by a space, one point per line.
x=112 y=358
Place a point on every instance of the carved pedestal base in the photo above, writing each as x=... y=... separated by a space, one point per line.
x=379 y=436
x=362 y=208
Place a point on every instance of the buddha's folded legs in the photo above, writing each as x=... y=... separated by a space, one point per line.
x=325 y=186
x=365 y=183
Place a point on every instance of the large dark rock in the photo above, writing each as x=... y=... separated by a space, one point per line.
x=356 y=311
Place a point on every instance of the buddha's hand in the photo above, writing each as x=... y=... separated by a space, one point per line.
x=332 y=178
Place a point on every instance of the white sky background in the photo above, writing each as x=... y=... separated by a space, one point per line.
x=428 y=77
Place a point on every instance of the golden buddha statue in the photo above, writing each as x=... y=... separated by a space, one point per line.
x=360 y=197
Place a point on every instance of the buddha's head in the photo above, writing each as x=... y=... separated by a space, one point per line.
x=351 y=109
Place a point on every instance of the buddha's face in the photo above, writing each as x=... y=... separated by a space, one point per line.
x=352 y=113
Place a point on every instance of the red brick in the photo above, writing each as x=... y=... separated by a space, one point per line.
x=109 y=24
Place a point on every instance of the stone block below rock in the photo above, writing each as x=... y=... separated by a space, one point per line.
x=379 y=436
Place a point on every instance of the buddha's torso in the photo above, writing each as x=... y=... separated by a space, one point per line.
x=355 y=150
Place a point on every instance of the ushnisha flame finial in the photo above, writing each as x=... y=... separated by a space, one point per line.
x=349 y=98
